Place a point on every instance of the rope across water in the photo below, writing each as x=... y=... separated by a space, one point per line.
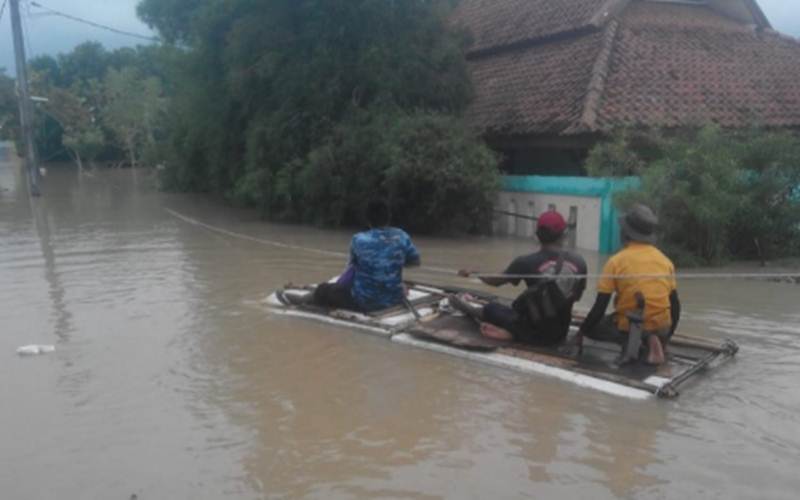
x=795 y=277
x=680 y=276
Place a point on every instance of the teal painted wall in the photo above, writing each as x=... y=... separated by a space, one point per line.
x=590 y=187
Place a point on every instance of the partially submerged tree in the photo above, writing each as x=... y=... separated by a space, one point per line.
x=82 y=73
x=719 y=193
x=133 y=105
x=82 y=134
x=267 y=87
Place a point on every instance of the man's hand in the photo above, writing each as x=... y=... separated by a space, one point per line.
x=495 y=281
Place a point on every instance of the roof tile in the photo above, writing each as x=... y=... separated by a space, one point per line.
x=498 y=23
x=535 y=90
x=674 y=65
x=666 y=65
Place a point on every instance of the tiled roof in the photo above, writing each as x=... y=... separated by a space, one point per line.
x=674 y=65
x=653 y=64
x=536 y=90
x=500 y=23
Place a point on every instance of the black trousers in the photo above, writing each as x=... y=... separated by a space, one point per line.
x=546 y=334
x=335 y=296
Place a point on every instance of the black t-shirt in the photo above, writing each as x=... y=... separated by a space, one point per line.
x=545 y=262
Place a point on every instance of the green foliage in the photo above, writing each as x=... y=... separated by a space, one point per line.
x=8 y=107
x=436 y=176
x=615 y=157
x=439 y=176
x=767 y=218
x=82 y=134
x=306 y=108
x=132 y=110
x=82 y=74
x=172 y=18
x=722 y=194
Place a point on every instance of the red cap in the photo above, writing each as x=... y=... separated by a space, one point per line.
x=553 y=222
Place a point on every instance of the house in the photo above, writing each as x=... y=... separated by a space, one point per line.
x=551 y=77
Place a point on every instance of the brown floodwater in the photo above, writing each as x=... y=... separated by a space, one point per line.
x=171 y=380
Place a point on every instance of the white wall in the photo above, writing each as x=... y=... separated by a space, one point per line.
x=587 y=234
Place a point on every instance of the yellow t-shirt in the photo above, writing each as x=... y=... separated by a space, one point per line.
x=640 y=259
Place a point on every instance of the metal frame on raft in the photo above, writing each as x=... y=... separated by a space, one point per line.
x=398 y=324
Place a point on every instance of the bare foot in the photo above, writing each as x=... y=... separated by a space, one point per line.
x=462 y=304
x=656 y=354
x=495 y=332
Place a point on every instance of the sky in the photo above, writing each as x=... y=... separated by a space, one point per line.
x=52 y=35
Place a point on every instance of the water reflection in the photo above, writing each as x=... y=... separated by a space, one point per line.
x=39 y=209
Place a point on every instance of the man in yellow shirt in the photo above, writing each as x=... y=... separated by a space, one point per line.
x=638 y=271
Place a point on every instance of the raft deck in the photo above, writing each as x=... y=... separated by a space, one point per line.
x=442 y=329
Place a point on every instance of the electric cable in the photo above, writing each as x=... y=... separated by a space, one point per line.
x=93 y=24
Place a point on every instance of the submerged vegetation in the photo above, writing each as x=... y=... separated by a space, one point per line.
x=721 y=194
x=306 y=109
x=100 y=104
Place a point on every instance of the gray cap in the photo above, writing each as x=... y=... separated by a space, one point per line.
x=639 y=224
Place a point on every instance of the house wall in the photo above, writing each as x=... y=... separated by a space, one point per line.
x=583 y=211
x=586 y=202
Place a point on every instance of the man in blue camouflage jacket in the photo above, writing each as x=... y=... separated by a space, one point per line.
x=374 y=279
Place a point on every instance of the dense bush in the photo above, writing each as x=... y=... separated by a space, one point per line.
x=615 y=157
x=720 y=194
x=435 y=174
x=306 y=109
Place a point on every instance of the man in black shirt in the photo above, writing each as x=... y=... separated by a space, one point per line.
x=543 y=313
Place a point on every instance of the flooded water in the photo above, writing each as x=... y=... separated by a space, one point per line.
x=170 y=380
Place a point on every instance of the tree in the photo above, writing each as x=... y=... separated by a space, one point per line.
x=82 y=134
x=266 y=86
x=133 y=106
x=172 y=18
x=82 y=73
x=720 y=193
x=87 y=61
x=8 y=107
x=47 y=70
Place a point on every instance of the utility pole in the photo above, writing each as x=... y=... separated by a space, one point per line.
x=25 y=110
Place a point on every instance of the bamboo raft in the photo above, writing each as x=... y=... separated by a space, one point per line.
x=428 y=322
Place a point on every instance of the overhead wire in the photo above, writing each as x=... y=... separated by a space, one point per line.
x=92 y=23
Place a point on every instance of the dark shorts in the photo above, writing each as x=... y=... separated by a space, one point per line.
x=550 y=333
x=335 y=296
x=606 y=331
